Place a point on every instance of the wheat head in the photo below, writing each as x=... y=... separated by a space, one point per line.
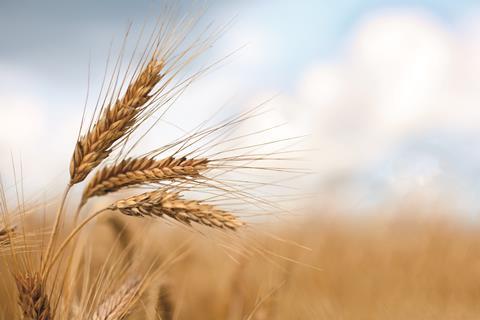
x=136 y=171
x=159 y=203
x=33 y=299
x=115 y=123
x=118 y=305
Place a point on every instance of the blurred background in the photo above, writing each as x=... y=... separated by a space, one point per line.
x=387 y=91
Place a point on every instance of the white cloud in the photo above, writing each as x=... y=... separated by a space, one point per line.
x=21 y=120
x=402 y=73
x=29 y=135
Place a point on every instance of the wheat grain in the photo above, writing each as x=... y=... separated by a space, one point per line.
x=118 y=305
x=135 y=171
x=115 y=122
x=159 y=203
x=33 y=299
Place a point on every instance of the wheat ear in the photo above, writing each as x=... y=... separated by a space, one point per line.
x=115 y=123
x=118 y=305
x=136 y=171
x=33 y=299
x=159 y=203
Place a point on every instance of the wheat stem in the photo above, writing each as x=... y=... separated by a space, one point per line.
x=70 y=237
x=56 y=226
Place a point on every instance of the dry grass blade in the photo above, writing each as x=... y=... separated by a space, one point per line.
x=33 y=299
x=115 y=122
x=159 y=203
x=136 y=171
x=118 y=305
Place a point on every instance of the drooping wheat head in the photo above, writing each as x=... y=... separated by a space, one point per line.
x=161 y=203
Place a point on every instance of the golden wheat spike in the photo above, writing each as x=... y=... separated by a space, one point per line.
x=118 y=305
x=159 y=203
x=137 y=171
x=32 y=297
x=115 y=123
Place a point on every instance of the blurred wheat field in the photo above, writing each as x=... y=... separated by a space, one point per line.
x=339 y=267
x=407 y=268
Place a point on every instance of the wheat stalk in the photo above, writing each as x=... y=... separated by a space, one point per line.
x=115 y=122
x=118 y=305
x=158 y=203
x=33 y=299
x=135 y=171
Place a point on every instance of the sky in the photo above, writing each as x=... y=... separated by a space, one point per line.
x=387 y=91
